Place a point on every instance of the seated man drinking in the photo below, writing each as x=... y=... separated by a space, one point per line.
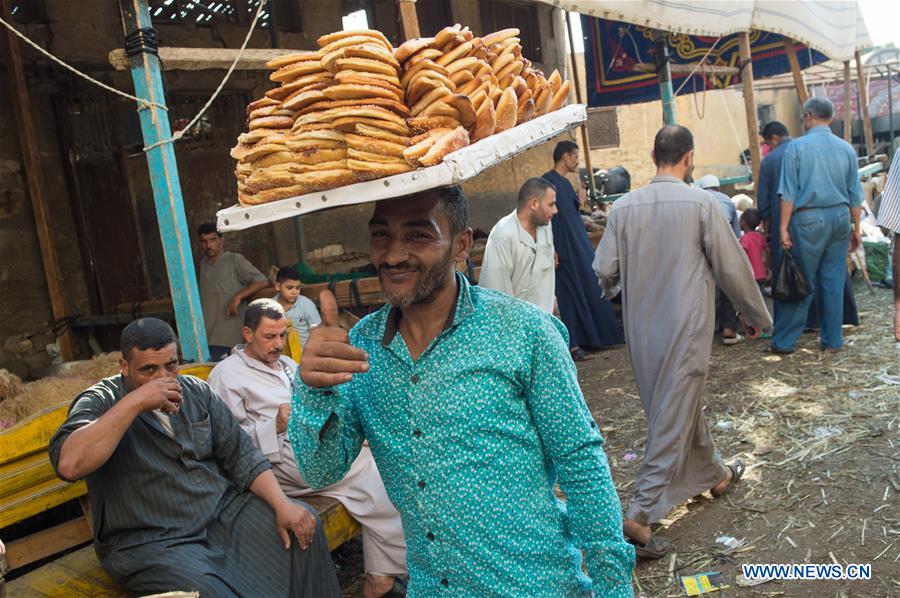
x=180 y=497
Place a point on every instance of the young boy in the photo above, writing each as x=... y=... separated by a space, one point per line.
x=300 y=311
x=756 y=247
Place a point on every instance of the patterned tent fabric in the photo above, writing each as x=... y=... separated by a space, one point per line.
x=613 y=49
x=834 y=27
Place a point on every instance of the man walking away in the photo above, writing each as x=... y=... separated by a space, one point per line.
x=666 y=245
x=227 y=281
x=518 y=259
x=821 y=195
x=587 y=314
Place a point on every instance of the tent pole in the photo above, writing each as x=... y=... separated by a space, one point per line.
x=799 y=83
x=749 y=103
x=664 y=75
x=34 y=177
x=164 y=179
x=864 y=106
x=891 y=109
x=848 y=105
x=586 y=151
x=409 y=20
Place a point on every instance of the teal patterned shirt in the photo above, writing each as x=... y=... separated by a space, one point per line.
x=470 y=439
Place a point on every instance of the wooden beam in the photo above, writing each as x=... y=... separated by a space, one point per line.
x=47 y=542
x=864 y=105
x=34 y=175
x=848 y=105
x=586 y=145
x=409 y=20
x=799 y=83
x=686 y=69
x=201 y=59
x=750 y=103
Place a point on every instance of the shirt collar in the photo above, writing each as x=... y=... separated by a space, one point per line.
x=819 y=129
x=384 y=324
x=664 y=178
x=252 y=362
x=524 y=236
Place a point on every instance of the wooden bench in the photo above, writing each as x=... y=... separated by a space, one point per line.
x=29 y=486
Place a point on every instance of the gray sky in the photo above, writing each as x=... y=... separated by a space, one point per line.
x=882 y=19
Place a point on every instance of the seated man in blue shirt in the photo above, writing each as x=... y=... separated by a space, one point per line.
x=821 y=195
x=470 y=403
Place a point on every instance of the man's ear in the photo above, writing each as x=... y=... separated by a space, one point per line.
x=247 y=334
x=653 y=157
x=462 y=244
x=123 y=365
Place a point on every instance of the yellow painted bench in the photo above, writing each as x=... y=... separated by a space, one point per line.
x=29 y=486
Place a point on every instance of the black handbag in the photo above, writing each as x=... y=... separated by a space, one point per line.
x=790 y=284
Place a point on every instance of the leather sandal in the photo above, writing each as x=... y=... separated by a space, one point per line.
x=737 y=468
x=654 y=548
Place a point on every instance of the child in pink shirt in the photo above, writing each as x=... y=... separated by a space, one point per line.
x=756 y=247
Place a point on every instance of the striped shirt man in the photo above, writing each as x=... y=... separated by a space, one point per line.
x=889 y=211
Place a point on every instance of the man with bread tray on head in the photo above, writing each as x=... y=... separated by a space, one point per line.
x=470 y=404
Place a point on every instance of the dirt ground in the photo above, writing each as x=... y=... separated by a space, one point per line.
x=819 y=433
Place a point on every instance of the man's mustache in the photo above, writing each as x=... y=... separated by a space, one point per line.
x=401 y=267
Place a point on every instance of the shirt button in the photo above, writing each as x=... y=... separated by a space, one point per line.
x=417 y=432
x=430 y=536
x=328 y=393
x=421 y=484
x=444 y=582
x=414 y=379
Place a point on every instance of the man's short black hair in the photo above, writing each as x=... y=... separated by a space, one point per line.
x=207 y=228
x=453 y=201
x=671 y=144
x=774 y=128
x=259 y=309
x=287 y=273
x=534 y=188
x=562 y=148
x=144 y=334
x=751 y=217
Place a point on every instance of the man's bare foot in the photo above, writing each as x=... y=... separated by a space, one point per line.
x=376 y=586
x=722 y=486
x=638 y=532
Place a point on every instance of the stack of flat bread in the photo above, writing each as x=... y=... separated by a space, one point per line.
x=359 y=109
x=275 y=161
x=366 y=104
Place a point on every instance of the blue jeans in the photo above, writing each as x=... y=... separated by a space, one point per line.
x=821 y=238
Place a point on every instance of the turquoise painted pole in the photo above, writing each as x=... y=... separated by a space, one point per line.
x=140 y=43
x=664 y=75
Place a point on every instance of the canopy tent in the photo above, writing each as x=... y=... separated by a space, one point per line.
x=616 y=51
x=834 y=28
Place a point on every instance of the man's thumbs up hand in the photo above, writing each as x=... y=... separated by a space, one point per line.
x=328 y=357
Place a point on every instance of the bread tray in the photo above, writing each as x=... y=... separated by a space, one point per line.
x=457 y=167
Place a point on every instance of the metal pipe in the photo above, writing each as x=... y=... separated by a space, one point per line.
x=664 y=75
x=891 y=110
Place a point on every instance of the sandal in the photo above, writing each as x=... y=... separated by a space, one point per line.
x=398 y=590
x=581 y=355
x=654 y=548
x=776 y=351
x=737 y=468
